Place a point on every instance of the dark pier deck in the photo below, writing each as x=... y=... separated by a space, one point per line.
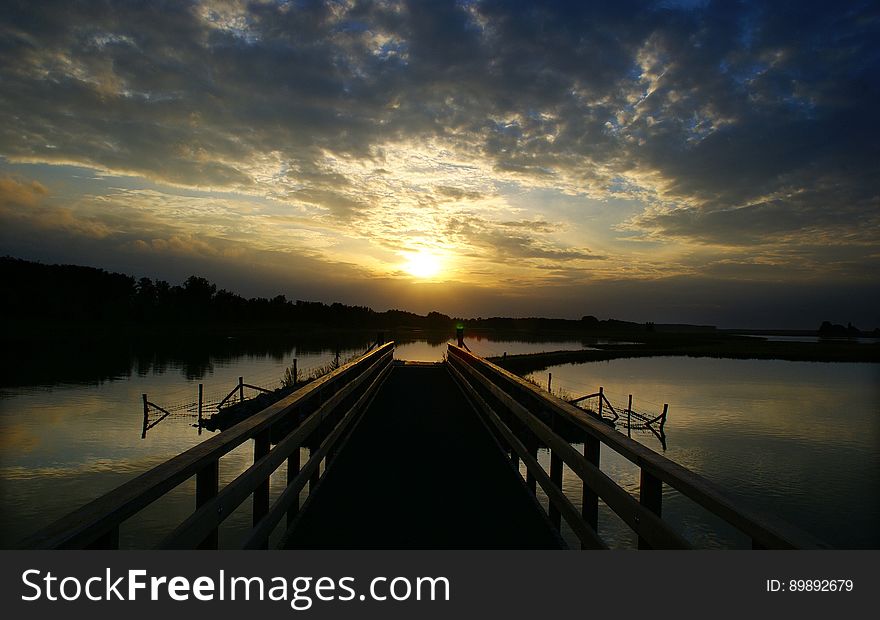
x=445 y=483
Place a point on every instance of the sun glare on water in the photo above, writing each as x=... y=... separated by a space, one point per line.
x=422 y=265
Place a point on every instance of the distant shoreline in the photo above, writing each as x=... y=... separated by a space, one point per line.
x=823 y=351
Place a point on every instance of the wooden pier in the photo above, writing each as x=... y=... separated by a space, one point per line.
x=425 y=456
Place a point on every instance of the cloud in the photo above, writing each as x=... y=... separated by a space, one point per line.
x=20 y=194
x=398 y=125
x=502 y=241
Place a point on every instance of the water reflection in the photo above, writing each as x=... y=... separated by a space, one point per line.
x=71 y=430
x=796 y=439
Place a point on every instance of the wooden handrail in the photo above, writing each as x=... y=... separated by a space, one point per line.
x=208 y=516
x=639 y=518
x=766 y=531
x=97 y=523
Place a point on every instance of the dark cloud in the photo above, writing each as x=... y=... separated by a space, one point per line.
x=736 y=124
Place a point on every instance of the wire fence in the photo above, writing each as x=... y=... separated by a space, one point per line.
x=614 y=411
x=207 y=405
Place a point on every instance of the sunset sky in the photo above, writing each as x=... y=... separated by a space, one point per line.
x=670 y=161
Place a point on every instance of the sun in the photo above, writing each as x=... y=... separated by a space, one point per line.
x=422 y=264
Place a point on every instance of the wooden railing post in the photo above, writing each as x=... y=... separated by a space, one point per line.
x=261 y=493
x=531 y=482
x=207 y=485
x=601 y=398
x=556 y=479
x=555 y=475
x=293 y=462
x=589 y=498
x=650 y=496
x=241 y=389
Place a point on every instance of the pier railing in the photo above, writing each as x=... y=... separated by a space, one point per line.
x=318 y=416
x=526 y=418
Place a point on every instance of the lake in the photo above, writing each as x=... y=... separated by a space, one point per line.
x=799 y=439
x=68 y=436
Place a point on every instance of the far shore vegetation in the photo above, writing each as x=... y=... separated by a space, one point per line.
x=60 y=307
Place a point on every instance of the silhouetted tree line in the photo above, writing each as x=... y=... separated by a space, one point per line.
x=34 y=290
x=833 y=330
x=67 y=292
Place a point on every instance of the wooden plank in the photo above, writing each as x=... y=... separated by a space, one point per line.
x=588 y=537
x=641 y=520
x=212 y=513
x=767 y=529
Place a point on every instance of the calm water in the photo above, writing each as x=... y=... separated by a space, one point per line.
x=64 y=443
x=799 y=439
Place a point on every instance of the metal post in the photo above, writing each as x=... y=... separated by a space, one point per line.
x=241 y=389
x=201 y=392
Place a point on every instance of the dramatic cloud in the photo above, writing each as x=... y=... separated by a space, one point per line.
x=730 y=142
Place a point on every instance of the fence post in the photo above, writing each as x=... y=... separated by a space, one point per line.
x=663 y=419
x=549 y=381
x=201 y=393
x=241 y=389
x=295 y=373
x=601 y=398
x=629 y=410
x=650 y=496
x=146 y=418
